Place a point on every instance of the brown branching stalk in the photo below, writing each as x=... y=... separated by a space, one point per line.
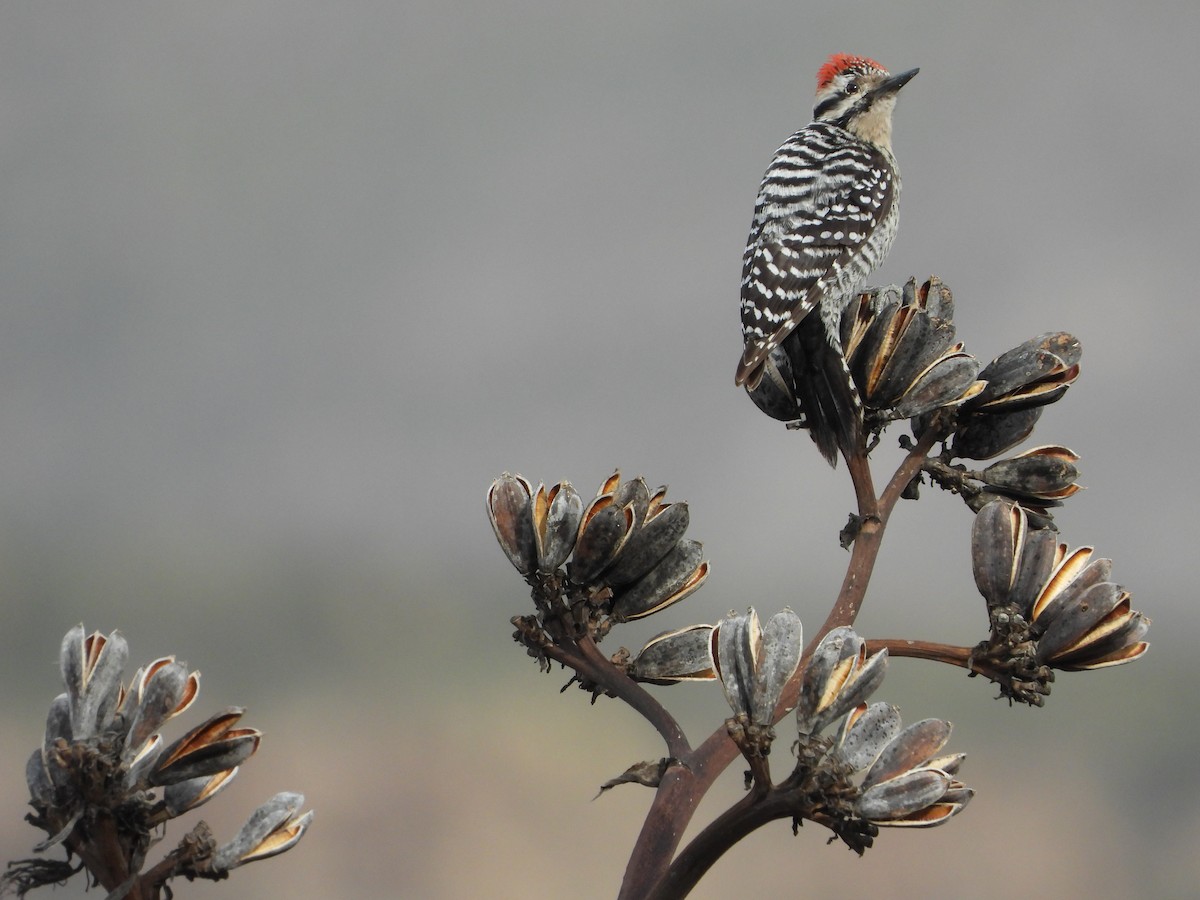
x=677 y=799
x=623 y=556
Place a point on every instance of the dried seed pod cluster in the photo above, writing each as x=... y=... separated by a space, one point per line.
x=908 y=781
x=624 y=551
x=1020 y=384
x=899 y=347
x=876 y=772
x=1050 y=607
x=103 y=781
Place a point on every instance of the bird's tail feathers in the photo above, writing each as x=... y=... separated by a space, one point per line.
x=832 y=408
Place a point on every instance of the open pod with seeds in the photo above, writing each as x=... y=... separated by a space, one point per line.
x=92 y=666
x=838 y=677
x=535 y=529
x=184 y=796
x=675 y=577
x=159 y=692
x=605 y=526
x=1011 y=560
x=510 y=510
x=1083 y=620
x=673 y=656
x=1018 y=385
x=274 y=827
x=1035 y=373
x=1045 y=475
x=211 y=747
x=556 y=514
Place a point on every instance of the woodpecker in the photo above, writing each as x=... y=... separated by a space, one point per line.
x=825 y=218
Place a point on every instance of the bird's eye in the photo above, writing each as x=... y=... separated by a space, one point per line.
x=851 y=87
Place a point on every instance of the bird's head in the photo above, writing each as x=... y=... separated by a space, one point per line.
x=859 y=94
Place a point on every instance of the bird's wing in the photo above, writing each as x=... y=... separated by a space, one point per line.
x=807 y=230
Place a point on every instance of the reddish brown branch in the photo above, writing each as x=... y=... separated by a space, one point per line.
x=684 y=786
x=945 y=653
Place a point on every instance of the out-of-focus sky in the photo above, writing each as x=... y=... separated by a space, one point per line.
x=283 y=286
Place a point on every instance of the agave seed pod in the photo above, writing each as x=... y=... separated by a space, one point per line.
x=911 y=748
x=1110 y=648
x=58 y=729
x=782 y=646
x=950 y=763
x=140 y=764
x=985 y=436
x=869 y=354
x=774 y=394
x=556 y=515
x=839 y=676
x=1103 y=610
x=952 y=802
x=662 y=527
x=817 y=688
x=184 y=796
x=91 y=669
x=948 y=380
x=1033 y=567
x=675 y=577
x=1074 y=573
x=213 y=746
x=58 y=721
x=1046 y=473
x=633 y=493
x=37 y=779
x=996 y=537
x=1010 y=561
x=836 y=657
x=510 y=510
x=736 y=643
x=673 y=656
x=908 y=343
x=858 y=316
x=603 y=530
x=161 y=691
x=902 y=796
x=272 y=828
x=865 y=732
x=1035 y=373
x=935 y=296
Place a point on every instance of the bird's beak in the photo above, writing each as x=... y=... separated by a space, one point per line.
x=894 y=83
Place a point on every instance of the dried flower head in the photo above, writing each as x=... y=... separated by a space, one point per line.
x=103 y=784
x=1049 y=607
x=622 y=556
x=872 y=772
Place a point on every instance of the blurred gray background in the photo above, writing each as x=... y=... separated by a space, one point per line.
x=283 y=286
